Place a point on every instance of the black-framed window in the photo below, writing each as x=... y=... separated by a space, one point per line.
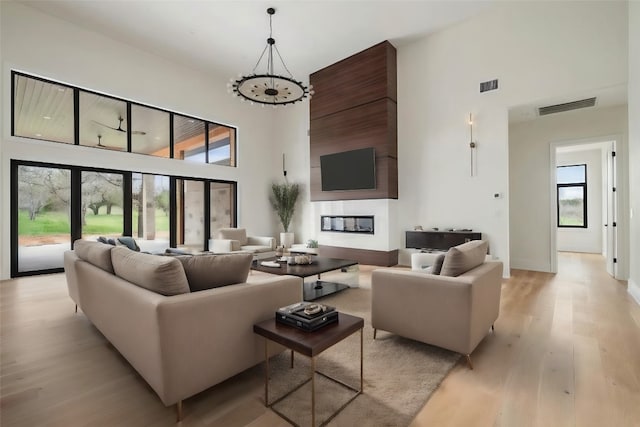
x=53 y=205
x=571 y=194
x=47 y=110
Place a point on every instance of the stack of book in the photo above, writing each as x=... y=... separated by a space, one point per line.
x=306 y=315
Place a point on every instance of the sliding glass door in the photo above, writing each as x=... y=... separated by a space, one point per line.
x=102 y=204
x=151 y=211
x=190 y=212
x=43 y=217
x=222 y=206
x=53 y=205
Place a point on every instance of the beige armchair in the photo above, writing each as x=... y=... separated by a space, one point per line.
x=230 y=240
x=452 y=312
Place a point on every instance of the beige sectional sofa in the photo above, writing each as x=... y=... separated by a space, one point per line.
x=453 y=309
x=181 y=342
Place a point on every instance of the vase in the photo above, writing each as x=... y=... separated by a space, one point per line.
x=286 y=239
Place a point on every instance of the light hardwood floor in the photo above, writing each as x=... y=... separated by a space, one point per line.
x=565 y=352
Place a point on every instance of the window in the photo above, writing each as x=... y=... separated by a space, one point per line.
x=189 y=141
x=42 y=110
x=571 y=184
x=103 y=122
x=222 y=145
x=52 y=111
x=150 y=134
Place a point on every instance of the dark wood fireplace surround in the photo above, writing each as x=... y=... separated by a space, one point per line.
x=355 y=106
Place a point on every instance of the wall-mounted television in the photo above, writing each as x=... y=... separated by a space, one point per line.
x=349 y=170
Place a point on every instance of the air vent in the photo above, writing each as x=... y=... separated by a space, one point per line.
x=490 y=85
x=567 y=106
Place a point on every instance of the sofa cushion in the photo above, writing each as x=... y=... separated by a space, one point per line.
x=163 y=275
x=437 y=264
x=464 y=257
x=239 y=234
x=96 y=253
x=212 y=271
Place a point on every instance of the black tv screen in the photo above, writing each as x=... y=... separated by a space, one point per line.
x=349 y=170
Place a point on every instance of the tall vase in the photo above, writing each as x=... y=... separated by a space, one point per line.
x=287 y=239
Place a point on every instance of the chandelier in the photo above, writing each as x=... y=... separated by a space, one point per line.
x=269 y=88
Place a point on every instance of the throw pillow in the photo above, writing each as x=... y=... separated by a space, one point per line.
x=129 y=242
x=163 y=275
x=213 y=271
x=464 y=257
x=437 y=264
x=102 y=239
x=96 y=253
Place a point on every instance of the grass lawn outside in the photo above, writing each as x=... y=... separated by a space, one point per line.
x=50 y=223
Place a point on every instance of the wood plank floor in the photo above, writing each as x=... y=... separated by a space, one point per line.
x=566 y=352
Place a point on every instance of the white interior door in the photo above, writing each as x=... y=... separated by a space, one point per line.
x=611 y=220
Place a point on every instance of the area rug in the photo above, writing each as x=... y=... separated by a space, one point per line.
x=399 y=374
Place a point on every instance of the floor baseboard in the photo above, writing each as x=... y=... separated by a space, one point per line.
x=634 y=289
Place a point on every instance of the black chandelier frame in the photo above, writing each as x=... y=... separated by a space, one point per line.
x=270 y=88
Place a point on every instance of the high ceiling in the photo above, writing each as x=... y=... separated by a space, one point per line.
x=228 y=36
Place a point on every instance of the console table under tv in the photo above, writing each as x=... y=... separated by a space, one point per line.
x=433 y=243
x=429 y=240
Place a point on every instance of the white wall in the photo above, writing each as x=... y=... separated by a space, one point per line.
x=587 y=239
x=537 y=50
x=291 y=140
x=531 y=171
x=634 y=147
x=42 y=45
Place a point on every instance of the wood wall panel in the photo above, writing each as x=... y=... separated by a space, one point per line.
x=359 y=79
x=362 y=256
x=355 y=107
x=370 y=125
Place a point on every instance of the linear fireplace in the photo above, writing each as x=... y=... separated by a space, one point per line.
x=362 y=224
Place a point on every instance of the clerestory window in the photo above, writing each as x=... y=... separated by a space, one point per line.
x=51 y=111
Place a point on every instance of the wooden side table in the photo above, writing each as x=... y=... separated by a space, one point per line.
x=310 y=344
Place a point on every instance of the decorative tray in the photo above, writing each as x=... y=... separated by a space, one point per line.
x=269 y=264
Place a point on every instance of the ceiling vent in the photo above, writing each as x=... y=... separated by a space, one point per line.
x=567 y=106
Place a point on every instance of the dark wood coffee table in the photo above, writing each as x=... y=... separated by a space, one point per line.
x=309 y=344
x=312 y=290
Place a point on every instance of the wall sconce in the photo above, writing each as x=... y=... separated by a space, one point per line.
x=472 y=147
